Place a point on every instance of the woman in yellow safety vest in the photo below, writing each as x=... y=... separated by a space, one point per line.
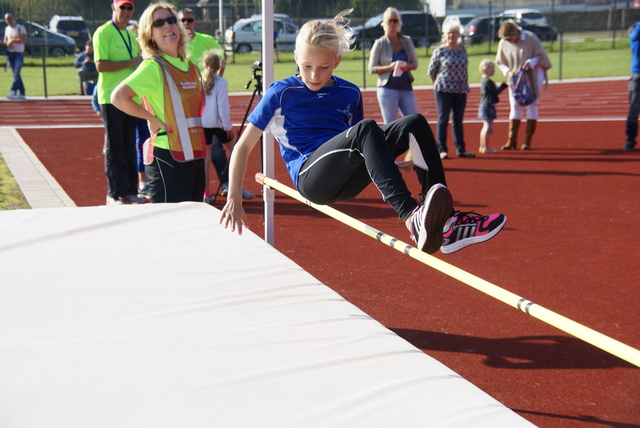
x=166 y=90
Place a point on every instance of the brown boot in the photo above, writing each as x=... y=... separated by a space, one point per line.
x=514 y=125
x=531 y=129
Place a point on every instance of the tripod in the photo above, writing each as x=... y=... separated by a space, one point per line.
x=257 y=91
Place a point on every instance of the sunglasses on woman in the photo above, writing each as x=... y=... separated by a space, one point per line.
x=160 y=22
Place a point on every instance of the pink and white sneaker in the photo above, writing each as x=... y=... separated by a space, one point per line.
x=464 y=229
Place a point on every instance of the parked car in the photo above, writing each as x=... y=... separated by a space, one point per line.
x=246 y=35
x=478 y=30
x=72 y=26
x=461 y=19
x=531 y=16
x=281 y=16
x=38 y=37
x=420 y=26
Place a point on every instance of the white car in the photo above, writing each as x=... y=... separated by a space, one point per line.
x=246 y=35
x=531 y=16
x=281 y=16
x=461 y=19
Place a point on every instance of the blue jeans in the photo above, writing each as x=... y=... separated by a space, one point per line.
x=392 y=100
x=449 y=102
x=16 y=59
x=634 y=107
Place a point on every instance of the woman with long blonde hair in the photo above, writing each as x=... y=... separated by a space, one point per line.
x=170 y=89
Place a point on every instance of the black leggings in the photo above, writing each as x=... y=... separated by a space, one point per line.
x=343 y=166
x=173 y=181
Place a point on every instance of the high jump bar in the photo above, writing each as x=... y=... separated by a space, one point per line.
x=554 y=319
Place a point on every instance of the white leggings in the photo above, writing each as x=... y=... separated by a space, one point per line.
x=532 y=109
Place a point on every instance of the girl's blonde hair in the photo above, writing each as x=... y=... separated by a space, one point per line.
x=334 y=35
x=145 y=32
x=484 y=65
x=211 y=65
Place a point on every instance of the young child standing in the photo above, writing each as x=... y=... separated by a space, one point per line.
x=489 y=99
x=332 y=153
x=216 y=120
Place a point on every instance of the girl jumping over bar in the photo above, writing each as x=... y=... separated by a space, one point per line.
x=332 y=153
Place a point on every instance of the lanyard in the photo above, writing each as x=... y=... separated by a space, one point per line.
x=128 y=45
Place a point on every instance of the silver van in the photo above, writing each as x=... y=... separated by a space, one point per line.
x=72 y=26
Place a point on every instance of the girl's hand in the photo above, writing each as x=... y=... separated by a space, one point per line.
x=233 y=214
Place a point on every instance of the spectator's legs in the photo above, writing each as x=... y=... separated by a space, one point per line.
x=408 y=103
x=16 y=60
x=120 y=156
x=458 y=106
x=634 y=109
x=444 y=102
x=219 y=160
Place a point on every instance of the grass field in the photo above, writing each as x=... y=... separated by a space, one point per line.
x=588 y=58
x=11 y=198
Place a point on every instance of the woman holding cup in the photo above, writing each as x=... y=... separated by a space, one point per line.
x=392 y=58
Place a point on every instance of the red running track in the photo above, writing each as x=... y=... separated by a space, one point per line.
x=570 y=245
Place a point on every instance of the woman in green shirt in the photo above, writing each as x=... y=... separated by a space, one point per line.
x=166 y=90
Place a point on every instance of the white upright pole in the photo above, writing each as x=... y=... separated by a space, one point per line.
x=267 y=140
x=221 y=19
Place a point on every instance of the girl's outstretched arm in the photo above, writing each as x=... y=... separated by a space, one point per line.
x=232 y=213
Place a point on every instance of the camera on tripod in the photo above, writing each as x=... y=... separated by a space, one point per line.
x=256 y=68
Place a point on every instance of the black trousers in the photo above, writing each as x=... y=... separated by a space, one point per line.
x=173 y=181
x=343 y=166
x=120 y=158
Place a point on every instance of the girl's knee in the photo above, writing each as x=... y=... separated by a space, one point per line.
x=368 y=127
x=367 y=124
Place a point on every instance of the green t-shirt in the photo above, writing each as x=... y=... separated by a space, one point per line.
x=112 y=44
x=199 y=45
x=148 y=81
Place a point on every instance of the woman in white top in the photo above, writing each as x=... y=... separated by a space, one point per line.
x=392 y=58
x=15 y=36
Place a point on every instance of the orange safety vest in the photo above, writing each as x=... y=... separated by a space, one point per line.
x=183 y=107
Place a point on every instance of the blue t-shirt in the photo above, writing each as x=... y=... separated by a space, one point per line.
x=302 y=120
x=634 y=38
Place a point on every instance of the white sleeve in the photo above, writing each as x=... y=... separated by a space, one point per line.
x=224 y=110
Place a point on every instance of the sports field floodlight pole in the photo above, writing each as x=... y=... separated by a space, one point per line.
x=554 y=319
x=267 y=139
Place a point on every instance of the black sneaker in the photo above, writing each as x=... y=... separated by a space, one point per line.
x=429 y=218
x=629 y=146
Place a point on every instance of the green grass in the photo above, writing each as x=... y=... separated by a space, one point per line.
x=590 y=58
x=11 y=198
